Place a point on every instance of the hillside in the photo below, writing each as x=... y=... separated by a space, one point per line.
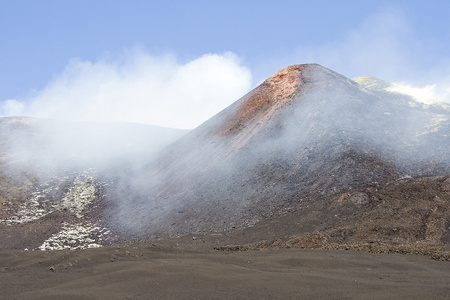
x=304 y=135
x=52 y=176
x=309 y=155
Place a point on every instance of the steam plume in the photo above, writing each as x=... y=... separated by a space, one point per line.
x=139 y=88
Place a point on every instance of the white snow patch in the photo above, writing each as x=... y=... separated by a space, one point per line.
x=80 y=194
x=76 y=237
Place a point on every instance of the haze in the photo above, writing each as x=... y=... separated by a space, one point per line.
x=178 y=64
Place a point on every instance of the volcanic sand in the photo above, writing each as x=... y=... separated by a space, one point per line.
x=167 y=272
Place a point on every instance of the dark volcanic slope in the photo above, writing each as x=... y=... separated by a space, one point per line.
x=308 y=158
x=304 y=134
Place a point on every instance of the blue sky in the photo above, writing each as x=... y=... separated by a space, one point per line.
x=176 y=63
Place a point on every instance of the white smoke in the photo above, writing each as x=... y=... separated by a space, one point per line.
x=11 y=107
x=140 y=88
x=428 y=94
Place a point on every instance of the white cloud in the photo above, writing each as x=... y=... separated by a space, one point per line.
x=140 y=88
x=427 y=94
x=11 y=107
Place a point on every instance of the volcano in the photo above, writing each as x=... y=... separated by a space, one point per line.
x=307 y=158
x=307 y=149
